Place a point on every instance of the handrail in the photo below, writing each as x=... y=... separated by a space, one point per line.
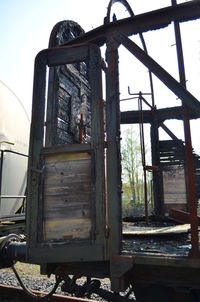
x=1 y=173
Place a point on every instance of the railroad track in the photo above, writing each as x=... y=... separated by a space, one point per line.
x=18 y=294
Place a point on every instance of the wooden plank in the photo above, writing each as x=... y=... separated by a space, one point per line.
x=74 y=76
x=66 y=149
x=62 y=200
x=63 y=229
x=67 y=156
x=79 y=212
x=67 y=196
x=174 y=186
x=130 y=230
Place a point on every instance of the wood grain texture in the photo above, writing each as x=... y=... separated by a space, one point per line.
x=67 y=229
x=174 y=186
x=67 y=196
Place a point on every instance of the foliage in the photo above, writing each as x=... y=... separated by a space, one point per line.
x=132 y=173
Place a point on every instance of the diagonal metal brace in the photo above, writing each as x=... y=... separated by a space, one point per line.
x=187 y=98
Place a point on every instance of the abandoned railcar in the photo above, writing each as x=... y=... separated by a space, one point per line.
x=74 y=223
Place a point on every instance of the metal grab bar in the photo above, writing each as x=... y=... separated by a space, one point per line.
x=1 y=173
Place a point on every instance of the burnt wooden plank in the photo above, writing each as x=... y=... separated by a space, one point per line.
x=86 y=148
x=67 y=84
x=171 y=152
x=63 y=110
x=74 y=75
x=171 y=143
x=64 y=95
x=67 y=94
x=63 y=138
x=62 y=125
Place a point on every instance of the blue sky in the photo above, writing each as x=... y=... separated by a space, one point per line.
x=25 y=26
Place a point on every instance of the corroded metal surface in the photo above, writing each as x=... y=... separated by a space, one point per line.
x=75 y=124
x=142 y=23
x=15 y=293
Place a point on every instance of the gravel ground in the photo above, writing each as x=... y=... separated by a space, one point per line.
x=35 y=281
x=30 y=276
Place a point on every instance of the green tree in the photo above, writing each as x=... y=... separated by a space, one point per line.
x=132 y=170
x=131 y=163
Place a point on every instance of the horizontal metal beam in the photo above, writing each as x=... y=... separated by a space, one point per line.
x=173 y=113
x=186 y=97
x=142 y=23
x=132 y=117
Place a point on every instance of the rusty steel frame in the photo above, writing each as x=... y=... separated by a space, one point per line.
x=186 y=97
x=188 y=102
x=145 y=22
x=141 y=23
x=142 y=145
x=130 y=11
x=131 y=117
x=190 y=171
x=113 y=34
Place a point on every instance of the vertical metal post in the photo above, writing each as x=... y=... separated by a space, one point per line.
x=190 y=173
x=141 y=126
x=157 y=176
x=113 y=151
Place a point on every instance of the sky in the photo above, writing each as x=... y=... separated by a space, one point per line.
x=25 y=28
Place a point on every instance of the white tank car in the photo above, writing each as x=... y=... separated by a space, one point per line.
x=14 y=140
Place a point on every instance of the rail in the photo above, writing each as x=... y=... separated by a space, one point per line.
x=11 y=291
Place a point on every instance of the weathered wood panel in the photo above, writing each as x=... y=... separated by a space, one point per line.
x=174 y=188
x=172 y=157
x=67 y=229
x=67 y=196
